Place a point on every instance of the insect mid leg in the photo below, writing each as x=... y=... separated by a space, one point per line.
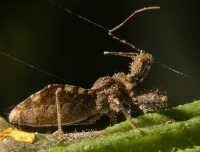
x=59 y=115
x=111 y=115
x=128 y=116
x=117 y=106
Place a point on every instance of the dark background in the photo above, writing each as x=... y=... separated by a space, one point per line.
x=45 y=36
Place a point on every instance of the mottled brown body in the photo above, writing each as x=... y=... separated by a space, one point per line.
x=40 y=108
x=60 y=104
x=79 y=106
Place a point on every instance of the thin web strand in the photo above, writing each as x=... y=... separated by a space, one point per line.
x=175 y=70
x=79 y=16
x=32 y=66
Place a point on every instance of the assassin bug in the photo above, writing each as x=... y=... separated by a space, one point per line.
x=60 y=104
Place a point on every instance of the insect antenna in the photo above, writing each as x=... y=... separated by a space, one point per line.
x=121 y=40
x=125 y=54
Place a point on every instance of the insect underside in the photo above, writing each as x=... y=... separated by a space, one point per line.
x=60 y=104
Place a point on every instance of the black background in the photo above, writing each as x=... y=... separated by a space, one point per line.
x=47 y=37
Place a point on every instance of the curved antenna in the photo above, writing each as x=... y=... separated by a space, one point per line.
x=134 y=13
x=116 y=37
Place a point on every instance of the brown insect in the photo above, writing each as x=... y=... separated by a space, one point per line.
x=60 y=104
